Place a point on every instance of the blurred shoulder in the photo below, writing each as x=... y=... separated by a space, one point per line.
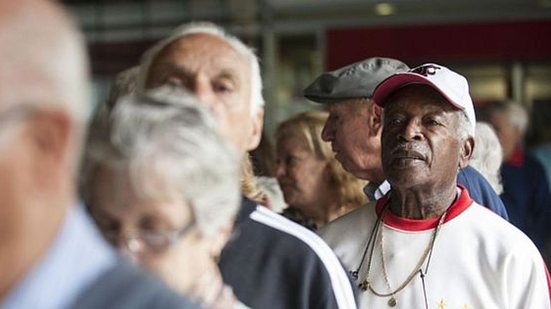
x=126 y=286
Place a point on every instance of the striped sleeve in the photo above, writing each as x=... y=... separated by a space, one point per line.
x=340 y=283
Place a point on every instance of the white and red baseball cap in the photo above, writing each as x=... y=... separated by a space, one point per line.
x=453 y=86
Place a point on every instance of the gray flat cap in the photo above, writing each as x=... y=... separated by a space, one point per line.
x=357 y=80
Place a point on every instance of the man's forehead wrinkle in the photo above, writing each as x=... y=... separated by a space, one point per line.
x=186 y=57
x=199 y=43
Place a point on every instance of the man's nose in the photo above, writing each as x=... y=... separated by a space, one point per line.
x=203 y=91
x=412 y=130
x=327 y=133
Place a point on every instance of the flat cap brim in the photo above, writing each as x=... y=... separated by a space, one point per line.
x=357 y=80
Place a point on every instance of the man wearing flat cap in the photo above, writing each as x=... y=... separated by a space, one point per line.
x=426 y=243
x=354 y=127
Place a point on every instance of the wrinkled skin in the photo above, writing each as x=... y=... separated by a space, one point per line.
x=354 y=129
x=422 y=150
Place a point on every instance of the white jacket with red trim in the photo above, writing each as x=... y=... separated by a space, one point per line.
x=478 y=260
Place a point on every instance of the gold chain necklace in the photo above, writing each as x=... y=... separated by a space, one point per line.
x=365 y=285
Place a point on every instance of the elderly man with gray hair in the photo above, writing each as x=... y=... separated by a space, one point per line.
x=270 y=262
x=526 y=192
x=427 y=244
x=51 y=255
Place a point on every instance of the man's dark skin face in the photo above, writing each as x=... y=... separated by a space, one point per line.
x=421 y=150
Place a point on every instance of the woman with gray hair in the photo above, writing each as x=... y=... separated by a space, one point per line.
x=163 y=187
x=487 y=155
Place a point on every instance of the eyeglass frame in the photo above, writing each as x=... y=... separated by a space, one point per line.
x=170 y=238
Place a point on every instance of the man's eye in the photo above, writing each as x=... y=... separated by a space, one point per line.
x=222 y=87
x=432 y=122
x=394 y=121
x=290 y=161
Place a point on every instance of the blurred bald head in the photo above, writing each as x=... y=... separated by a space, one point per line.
x=43 y=107
x=42 y=58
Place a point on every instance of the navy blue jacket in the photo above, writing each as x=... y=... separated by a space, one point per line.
x=481 y=191
x=271 y=262
x=527 y=198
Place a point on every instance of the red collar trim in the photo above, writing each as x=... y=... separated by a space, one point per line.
x=548 y=280
x=392 y=220
x=517 y=158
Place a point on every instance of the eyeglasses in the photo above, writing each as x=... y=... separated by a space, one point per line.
x=142 y=240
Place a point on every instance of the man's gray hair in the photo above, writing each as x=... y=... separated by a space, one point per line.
x=166 y=143
x=464 y=126
x=487 y=155
x=256 y=98
x=516 y=113
x=518 y=116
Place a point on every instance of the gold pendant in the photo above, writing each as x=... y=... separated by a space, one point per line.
x=392 y=302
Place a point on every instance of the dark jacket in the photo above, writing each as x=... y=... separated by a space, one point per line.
x=527 y=198
x=481 y=191
x=271 y=262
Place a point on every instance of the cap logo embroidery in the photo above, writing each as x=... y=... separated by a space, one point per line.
x=426 y=70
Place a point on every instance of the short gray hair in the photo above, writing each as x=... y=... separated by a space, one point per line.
x=487 y=155
x=464 y=126
x=516 y=113
x=256 y=98
x=166 y=135
x=518 y=116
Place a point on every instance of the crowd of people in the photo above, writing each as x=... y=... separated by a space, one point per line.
x=391 y=188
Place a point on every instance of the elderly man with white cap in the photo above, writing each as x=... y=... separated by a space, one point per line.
x=426 y=243
x=354 y=127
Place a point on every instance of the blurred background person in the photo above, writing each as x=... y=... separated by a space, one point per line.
x=314 y=184
x=487 y=155
x=525 y=189
x=263 y=157
x=542 y=152
x=150 y=185
x=263 y=161
x=51 y=254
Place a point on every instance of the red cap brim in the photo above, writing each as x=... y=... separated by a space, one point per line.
x=399 y=80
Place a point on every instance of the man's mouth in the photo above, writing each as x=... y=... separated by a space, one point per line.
x=408 y=154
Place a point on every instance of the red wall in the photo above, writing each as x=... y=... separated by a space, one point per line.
x=518 y=40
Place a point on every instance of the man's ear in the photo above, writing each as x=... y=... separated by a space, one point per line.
x=375 y=118
x=466 y=151
x=256 y=134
